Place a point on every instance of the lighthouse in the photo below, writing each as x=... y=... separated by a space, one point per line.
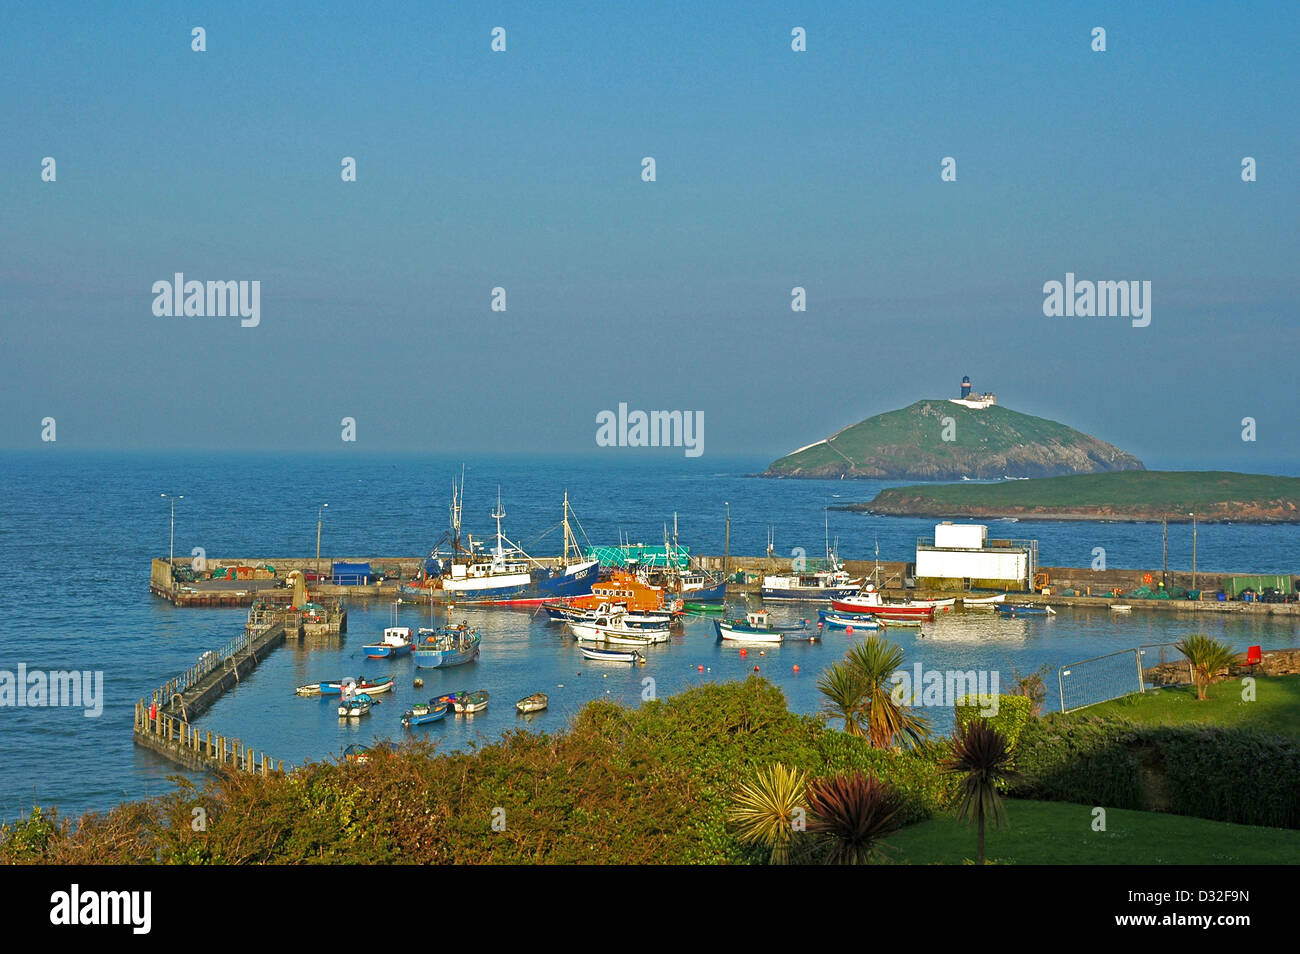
x=974 y=399
x=965 y=387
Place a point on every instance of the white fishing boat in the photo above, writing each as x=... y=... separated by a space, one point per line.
x=1120 y=608
x=934 y=604
x=983 y=600
x=610 y=628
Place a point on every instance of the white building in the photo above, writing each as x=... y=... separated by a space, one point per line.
x=961 y=555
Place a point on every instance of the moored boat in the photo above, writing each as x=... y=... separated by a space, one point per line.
x=1022 y=609
x=870 y=601
x=534 y=703
x=756 y=627
x=610 y=628
x=446 y=647
x=1121 y=608
x=983 y=600
x=356 y=706
x=471 y=702
x=372 y=686
x=611 y=655
x=853 y=621
x=397 y=641
x=425 y=712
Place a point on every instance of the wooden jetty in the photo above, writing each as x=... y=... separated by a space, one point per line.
x=164 y=722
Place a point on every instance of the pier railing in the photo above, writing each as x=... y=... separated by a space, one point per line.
x=199 y=748
x=162 y=722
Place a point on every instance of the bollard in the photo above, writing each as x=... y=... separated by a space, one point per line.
x=209 y=753
x=265 y=760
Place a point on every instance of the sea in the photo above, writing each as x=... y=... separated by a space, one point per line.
x=78 y=531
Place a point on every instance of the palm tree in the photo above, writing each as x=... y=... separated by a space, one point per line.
x=876 y=660
x=767 y=809
x=1207 y=656
x=851 y=814
x=844 y=689
x=980 y=754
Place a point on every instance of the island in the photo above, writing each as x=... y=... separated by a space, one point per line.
x=947 y=439
x=1147 y=495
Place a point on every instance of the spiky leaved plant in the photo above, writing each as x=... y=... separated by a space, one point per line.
x=766 y=809
x=1208 y=657
x=851 y=814
x=981 y=756
x=887 y=717
x=845 y=690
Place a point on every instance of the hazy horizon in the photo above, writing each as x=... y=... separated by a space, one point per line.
x=523 y=170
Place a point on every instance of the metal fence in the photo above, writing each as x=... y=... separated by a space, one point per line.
x=1102 y=678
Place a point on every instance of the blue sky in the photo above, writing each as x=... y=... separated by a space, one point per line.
x=522 y=169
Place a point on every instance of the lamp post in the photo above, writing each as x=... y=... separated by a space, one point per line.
x=171 y=547
x=1193 y=516
x=320 y=518
x=726 y=547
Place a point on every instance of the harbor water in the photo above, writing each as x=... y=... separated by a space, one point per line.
x=77 y=532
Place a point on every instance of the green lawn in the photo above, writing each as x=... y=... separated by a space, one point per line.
x=1276 y=708
x=1056 y=833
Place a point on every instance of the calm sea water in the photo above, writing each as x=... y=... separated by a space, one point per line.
x=77 y=532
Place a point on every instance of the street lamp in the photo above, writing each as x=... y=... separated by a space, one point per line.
x=320 y=517
x=171 y=548
x=1193 y=516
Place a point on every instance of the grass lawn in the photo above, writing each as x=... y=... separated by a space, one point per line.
x=1057 y=833
x=1276 y=708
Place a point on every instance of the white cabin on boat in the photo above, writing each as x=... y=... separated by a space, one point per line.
x=961 y=556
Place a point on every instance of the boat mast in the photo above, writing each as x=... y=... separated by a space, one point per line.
x=726 y=550
x=497 y=514
x=568 y=535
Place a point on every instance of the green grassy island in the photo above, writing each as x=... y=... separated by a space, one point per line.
x=943 y=440
x=1214 y=496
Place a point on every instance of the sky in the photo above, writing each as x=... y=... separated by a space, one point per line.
x=522 y=170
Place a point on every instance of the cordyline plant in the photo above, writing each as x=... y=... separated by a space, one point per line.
x=858 y=692
x=851 y=815
x=981 y=757
x=767 y=809
x=1208 y=657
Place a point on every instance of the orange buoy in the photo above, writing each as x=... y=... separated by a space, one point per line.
x=744 y=653
x=699 y=669
x=796 y=667
x=755 y=669
x=848 y=630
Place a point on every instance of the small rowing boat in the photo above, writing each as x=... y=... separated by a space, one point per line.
x=534 y=703
x=1120 y=608
x=471 y=702
x=983 y=600
x=1020 y=609
x=372 y=686
x=611 y=655
x=854 y=621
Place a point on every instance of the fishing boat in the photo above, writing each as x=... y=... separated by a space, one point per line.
x=848 y=620
x=611 y=655
x=508 y=576
x=425 y=712
x=372 y=686
x=620 y=588
x=756 y=627
x=311 y=689
x=809 y=584
x=1120 y=608
x=397 y=641
x=702 y=587
x=610 y=628
x=983 y=600
x=471 y=702
x=534 y=703
x=355 y=706
x=574 y=614
x=870 y=601
x=446 y=647
x=1020 y=609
